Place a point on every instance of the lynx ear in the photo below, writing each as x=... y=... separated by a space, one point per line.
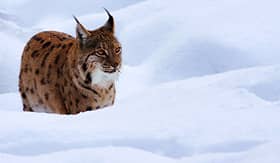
x=81 y=32
x=109 y=25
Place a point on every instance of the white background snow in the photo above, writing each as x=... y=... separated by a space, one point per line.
x=200 y=84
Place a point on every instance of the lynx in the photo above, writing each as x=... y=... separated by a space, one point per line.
x=66 y=75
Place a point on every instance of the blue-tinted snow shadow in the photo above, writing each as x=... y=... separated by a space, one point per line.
x=269 y=91
x=168 y=147
x=199 y=57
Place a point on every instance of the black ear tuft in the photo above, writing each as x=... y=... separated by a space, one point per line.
x=81 y=32
x=109 y=25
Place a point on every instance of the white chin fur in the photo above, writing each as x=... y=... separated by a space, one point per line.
x=102 y=78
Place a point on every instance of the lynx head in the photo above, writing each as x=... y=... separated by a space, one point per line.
x=98 y=53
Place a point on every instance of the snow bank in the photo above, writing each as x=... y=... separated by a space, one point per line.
x=187 y=38
x=58 y=10
x=9 y=62
x=183 y=39
x=216 y=117
x=13 y=37
x=177 y=102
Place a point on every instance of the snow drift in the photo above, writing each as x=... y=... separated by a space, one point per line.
x=215 y=117
x=195 y=87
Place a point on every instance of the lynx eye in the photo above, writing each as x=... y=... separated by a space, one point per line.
x=101 y=53
x=118 y=50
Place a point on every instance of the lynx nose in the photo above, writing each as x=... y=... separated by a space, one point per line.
x=115 y=65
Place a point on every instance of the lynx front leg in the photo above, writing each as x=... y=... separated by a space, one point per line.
x=26 y=104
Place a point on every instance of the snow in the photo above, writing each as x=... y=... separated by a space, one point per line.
x=199 y=85
x=215 y=117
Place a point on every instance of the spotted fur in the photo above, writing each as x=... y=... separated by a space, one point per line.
x=67 y=75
